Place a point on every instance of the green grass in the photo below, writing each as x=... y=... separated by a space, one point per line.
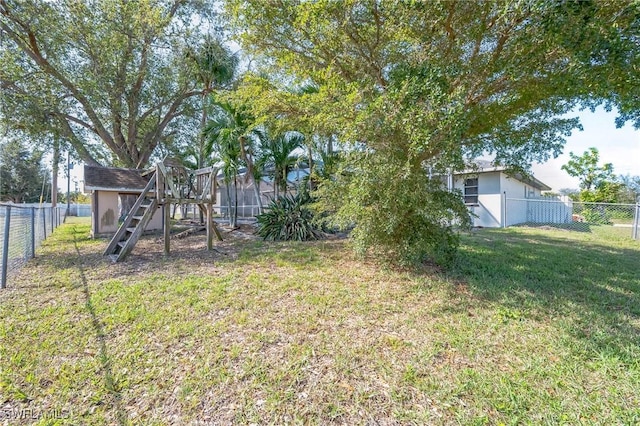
x=531 y=327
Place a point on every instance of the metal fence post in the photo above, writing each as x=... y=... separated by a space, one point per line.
x=33 y=232
x=5 y=246
x=504 y=209
x=636 y=222
x=44 y=224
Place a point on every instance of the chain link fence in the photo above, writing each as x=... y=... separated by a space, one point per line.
x=622 y=219
x=22 y=228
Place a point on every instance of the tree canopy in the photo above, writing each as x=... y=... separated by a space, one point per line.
x=111 y=77
x=585 y=167
x=598 y=183
x=429 y=85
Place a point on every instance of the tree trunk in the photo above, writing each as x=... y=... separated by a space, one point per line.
x=256 y=190
x=235 y=200
x=284 y=180
x=250 y=169
x=310 y=154
x=203 y=123
x=228 y=191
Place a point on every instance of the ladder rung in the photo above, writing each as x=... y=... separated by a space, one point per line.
x=137 y=217
x=113 y=257
x=122 y=243
x=131 y=230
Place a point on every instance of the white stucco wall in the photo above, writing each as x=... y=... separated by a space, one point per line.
x=488 y=211
x=494 y=190
x=517 y=193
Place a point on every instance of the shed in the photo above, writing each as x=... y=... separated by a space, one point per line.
x=113 y=190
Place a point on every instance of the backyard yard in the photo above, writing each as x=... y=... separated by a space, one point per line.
x=531 y=326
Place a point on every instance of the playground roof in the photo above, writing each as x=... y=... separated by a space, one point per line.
x=113 y=179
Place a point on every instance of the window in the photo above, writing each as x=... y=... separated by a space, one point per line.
x=471 y=191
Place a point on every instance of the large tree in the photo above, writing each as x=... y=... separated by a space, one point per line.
x=109 y=76
x=429 y=85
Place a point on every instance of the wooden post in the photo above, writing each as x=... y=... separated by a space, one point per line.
x=210 y=228
x=159 y=185
x=166 y=225
x=212 y=200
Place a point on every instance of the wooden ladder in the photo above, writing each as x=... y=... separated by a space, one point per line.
x=134 y=223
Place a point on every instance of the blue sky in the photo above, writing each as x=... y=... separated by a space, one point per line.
x=621 y=147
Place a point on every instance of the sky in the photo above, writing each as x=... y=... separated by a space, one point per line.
x=620 y=147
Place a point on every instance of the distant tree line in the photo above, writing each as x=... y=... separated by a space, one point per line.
x=23 y=176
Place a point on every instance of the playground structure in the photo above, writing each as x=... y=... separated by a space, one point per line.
x=168 y=183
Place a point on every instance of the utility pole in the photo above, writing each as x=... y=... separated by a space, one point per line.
x=68 y=182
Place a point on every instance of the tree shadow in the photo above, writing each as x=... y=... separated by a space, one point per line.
x=593 y=288
x=572 y=226
x=110 y=382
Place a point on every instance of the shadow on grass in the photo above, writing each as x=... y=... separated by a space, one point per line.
x=105 y=361
x=573 y=226
x=592 y=289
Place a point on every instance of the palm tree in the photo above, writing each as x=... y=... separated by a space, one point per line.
x=214 y=67
x=278 y=151
x=231 y=135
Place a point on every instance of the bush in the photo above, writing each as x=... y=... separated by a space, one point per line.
x=400 y=215
x=597 y=215
x=288 y=219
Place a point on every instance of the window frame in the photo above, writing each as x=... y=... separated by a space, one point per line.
x=471 y=197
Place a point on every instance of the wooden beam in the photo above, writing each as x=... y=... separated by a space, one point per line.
x=169 y=180
x=166 y=222
x=210 y=227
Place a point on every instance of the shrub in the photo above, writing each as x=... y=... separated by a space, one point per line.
x=288 y=219
x=403 y=218
x=597 y=215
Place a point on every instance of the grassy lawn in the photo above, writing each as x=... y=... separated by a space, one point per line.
x=533 y=326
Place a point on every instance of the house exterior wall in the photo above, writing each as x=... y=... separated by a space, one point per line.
x=517 y=212
x=488 y=183
x=156 y=221
x=488 y=210
x=105 y=214
x=513 y=188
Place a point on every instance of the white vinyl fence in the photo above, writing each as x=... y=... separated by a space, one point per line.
x=568 y=214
